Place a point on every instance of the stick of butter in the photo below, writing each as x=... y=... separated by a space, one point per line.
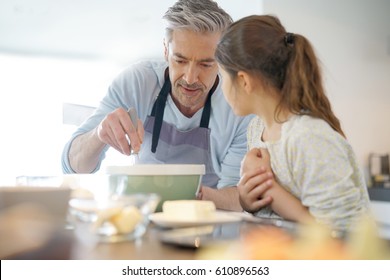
x=189 y=209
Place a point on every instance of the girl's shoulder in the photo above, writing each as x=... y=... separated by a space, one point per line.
x=255 y=129
x=256 y=123
x=307 y=131
x=304 y=124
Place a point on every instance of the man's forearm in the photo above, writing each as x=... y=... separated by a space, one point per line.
x=225 y=199
x=84 y=152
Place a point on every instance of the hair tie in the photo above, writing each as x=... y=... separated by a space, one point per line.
x=289 y=39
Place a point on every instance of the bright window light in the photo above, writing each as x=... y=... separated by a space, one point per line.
x=33 y=90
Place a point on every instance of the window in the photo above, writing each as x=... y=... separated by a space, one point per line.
x=33 y=93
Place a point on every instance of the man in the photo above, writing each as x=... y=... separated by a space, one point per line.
x=183 y=116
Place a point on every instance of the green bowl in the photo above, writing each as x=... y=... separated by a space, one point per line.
x=169 y=181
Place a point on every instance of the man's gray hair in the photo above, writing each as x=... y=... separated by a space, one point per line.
x=197 y=15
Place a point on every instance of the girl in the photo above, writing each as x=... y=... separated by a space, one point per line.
x=299 y=162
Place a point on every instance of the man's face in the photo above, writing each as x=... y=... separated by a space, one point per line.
x=192 y=68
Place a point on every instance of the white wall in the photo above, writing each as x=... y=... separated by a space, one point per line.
x=352 y=40
x=118 y=30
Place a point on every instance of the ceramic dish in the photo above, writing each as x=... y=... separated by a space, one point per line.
x=169 y=181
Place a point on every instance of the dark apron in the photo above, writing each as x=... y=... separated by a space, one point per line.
x=170 y=145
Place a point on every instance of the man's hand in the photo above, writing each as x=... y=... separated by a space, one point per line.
x=117 y=130
x=224 y=199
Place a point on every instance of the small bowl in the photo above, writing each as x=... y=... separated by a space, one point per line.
x=114 y=219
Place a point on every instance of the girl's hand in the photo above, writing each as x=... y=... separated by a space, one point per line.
x=251 y=188
x=255 y=158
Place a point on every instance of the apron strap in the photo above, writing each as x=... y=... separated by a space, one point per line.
x=158 y=112
x=204 y=122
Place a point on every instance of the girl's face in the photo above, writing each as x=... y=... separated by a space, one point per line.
x=234 y=95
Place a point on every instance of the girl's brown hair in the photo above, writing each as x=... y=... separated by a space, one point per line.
x=261 y=46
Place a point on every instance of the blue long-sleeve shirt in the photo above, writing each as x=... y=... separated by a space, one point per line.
x=139 y=85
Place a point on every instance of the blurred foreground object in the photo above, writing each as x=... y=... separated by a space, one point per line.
x=28 y=231
x=30 y=218
x=23 y=227
x=309 y=242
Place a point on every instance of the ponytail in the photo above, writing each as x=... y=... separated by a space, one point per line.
x=303 y=92
x=260 y=45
